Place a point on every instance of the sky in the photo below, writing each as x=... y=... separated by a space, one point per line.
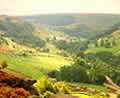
x=29 y=7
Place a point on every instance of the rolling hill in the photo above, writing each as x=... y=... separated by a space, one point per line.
x=50 y=36
x=19 y=31
x=85 y=26
x=42 y=31
x=14 y=24
x=35 y=46
x=20 y=44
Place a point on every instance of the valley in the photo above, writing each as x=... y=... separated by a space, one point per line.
x=65 y=54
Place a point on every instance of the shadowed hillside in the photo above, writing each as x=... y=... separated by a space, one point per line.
x=20 y=31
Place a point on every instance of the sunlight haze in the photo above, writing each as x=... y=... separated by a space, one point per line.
x=27 y=7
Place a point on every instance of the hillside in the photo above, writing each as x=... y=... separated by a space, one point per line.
x=20 y=31
x=15 y=86
x=79 y=25
x=108 y=42
x=17 y=31
x=47 y=33
x=70 y=55
x=14 y=24
x=28 y=49
x=107 y=50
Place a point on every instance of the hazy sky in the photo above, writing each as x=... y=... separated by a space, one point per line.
x=26 y=7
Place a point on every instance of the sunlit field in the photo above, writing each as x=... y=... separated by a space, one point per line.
x=34 y=66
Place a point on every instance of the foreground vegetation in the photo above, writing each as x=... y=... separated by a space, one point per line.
x=90 y=68
x=47 y=87
x=12 y=86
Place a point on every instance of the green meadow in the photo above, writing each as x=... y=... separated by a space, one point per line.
x=34 y=66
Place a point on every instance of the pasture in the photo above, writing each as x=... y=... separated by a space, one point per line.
x=34 y=66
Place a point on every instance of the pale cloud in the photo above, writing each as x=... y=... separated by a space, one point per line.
x=25 y=7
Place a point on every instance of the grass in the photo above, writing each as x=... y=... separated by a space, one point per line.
x=87 y=96
x=81 y=95
x=34 y=66
x=115 y=49
x=98 y=87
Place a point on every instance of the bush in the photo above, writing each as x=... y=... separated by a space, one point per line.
x=47 y=50
x=73 y=73
x=43 y=85
x=47 y=94
x=3 y=64
x=85 y=70
x=47 y=87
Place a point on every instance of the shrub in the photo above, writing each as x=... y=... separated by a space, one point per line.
x=85 y=70
x=73 y=73
x=46 y=87
x=3 y=64
x=47 y=94
x=47 y=50
x=43 y=85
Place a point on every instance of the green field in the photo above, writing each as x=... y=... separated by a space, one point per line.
x=115 y=49
x=34 y=66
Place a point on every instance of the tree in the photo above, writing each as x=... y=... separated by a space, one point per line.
x=47 y=39
x=54 y=38
x=87 y=69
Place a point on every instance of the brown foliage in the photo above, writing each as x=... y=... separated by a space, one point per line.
x=7 y=92
x=14 y=87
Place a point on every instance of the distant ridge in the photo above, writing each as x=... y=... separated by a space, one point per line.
x=67 y=14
